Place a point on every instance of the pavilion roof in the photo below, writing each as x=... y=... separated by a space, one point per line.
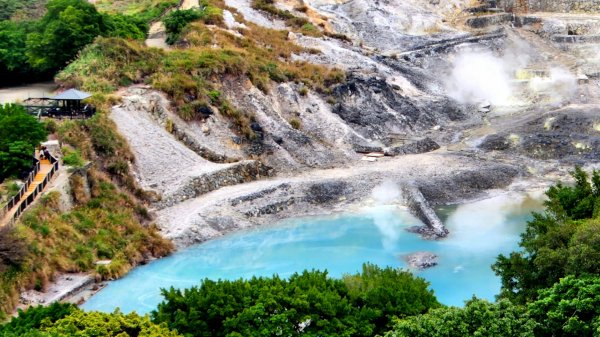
x=72 y=94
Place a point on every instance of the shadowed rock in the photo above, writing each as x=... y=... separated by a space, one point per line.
x=421 y=260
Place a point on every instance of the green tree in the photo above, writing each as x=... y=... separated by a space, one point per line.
x=124 y=26
x=67 y=27
x=478 y=318
x=20 y=133
x=562 y=241
x=384 y=294
x=308 y=303
x=92 y=324
x=570 y=308
x=14 y=64
x=33 y=318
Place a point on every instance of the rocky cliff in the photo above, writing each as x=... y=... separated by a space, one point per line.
x=427 y=101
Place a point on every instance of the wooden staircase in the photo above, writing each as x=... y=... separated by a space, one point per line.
x=38 y=183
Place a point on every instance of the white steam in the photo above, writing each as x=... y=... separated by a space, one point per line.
x=560 y=84
x=479 y=76
x=387 y=192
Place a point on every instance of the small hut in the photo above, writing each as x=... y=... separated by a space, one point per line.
x=69 y=102
x=66 y=104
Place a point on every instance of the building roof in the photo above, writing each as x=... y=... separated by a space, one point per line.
x=72 y=94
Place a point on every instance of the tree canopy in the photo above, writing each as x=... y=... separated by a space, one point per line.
x=20 y=133
x=40 y=48
x=565 y=240
x=308 y=303
x=478 y=318
x=570 y=308
x=58 y=320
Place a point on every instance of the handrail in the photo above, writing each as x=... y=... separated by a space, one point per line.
x=16 y=198
x=38 y=189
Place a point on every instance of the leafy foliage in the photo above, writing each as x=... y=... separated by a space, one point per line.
x=175 y=21
x=569 y=308
x=383 y=294
x=13 y=52
x=34 y=317
x=307 y=303
x=477 y=318
x=144 y=10
x=20 y=133
x=91 y=324
x=8 y=8
x=37 y=49
x=66 y=320
x=558 y=243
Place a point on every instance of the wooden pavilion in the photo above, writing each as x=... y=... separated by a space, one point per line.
x=67 y=104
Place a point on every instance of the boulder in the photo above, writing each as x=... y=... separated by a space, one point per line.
x=421 y=260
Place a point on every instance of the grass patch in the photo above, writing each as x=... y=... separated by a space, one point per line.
x=105 y=227
x=72 y=157
x=192 y=76
x=144 y=10
x=298 y=24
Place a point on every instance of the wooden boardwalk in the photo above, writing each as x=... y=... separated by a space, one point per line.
x=37 y=185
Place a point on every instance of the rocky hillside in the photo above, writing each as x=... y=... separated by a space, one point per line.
x=322 y=100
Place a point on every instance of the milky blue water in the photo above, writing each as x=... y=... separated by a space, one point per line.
x=341 y=244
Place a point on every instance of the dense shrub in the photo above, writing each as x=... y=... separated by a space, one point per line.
x=66 y=320
x=34 y=317
x=177 y=20
x=562 y=241
x=308 y=303
x=570 y=308
x=477 y=318
x=20 y=134
x=32 y=50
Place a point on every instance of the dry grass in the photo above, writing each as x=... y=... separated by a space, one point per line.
x=188 y=75
x=107 y=226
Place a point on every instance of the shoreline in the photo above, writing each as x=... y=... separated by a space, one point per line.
x=529 y=187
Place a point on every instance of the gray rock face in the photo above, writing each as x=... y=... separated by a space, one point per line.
x=563 y=6
x=419 y=146
x=421 y=260
x=489 y=20
x=568 y=135
x=327 y=191
x=495 y=143
x=238 y=173
x=374 y=108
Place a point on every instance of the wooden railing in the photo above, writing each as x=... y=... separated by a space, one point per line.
x=22 y=205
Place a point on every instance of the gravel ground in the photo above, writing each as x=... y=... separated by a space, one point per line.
x=162 y=163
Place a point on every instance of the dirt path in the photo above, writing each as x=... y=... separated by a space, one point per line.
x=21 y=93
x=157 y=36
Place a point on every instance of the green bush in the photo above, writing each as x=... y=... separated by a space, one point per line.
x=564 y=240
x=570 y=308
x=33 y=50
x=34 y=317
x=175 y=21
x=309 y=303
x=20 y=134
x=73 y=158
x=477 y=318
x=295 y=123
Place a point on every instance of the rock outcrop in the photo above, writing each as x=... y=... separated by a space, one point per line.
x=421 y=260
x=419 y=206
